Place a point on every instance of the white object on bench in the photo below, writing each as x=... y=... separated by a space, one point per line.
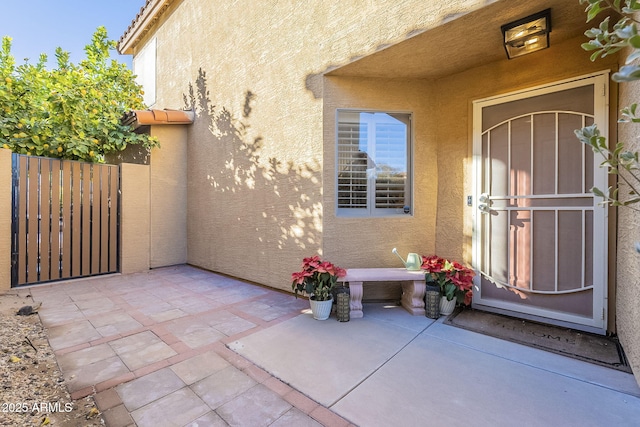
x=413 y=287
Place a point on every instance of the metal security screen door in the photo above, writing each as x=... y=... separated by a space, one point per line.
x=540 y=235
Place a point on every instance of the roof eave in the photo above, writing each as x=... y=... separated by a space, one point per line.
x=141 y=24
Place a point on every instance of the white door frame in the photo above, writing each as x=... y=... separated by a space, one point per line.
x=600 y=177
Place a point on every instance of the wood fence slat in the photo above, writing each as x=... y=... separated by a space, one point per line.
x=67 y=219
x=95 y=218
x=86 y=220
x=22 y=215
x=114 y=204
x=55 y=220
x=45 y=218
x=33 y=250
x=104 y=219
x=76 y=216
x=67 y=230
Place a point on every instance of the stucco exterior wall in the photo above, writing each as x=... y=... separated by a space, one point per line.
x=367 y=242
x=628 y=277
x=255 y=151
x=134 y=218
x=168 y=200
x=5 y=219
x=260 y=155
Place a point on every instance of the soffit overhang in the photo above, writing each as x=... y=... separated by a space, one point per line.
x=468 y=41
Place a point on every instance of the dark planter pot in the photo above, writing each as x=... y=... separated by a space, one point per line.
x=432 y=300
x=342 y=298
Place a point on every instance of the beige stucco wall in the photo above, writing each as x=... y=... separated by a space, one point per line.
x=5 y=219
x=168 y=200
x=134 y=218
x=260 y=178
x=255 y=152
x=367 y=242
x=628 y=277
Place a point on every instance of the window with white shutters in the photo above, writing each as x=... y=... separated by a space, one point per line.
x=373 y=174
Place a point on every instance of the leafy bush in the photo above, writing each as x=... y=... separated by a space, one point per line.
x=606 y=40
x=71 y=111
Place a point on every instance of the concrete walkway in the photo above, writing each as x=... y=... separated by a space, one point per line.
x=180 y=346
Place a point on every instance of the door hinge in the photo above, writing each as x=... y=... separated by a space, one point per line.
x=602 y=314
x=604 y=89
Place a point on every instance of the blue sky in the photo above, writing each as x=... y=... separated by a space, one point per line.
x=39 y=26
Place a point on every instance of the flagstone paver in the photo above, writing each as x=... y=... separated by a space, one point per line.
x=71 y=334
x=85 y=356
x=223 y=386
x=259 y=406
x=199 y=367
x=176 y=409
x=94 y=373
x=144 y=390
x=152 y=347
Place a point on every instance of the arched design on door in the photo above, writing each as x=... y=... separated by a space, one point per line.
x=538 y=226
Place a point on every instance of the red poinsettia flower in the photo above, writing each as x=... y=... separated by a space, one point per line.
x=454 y=279
x=311 y=262
x=317 y=278
x=468 y=297
x=300 y=276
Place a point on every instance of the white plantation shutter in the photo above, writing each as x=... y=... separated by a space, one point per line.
x=352 y=166
x=373 y=162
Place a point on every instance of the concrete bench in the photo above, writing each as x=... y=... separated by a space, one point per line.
x=413 y=287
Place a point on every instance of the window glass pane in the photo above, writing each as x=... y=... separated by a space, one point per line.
x=372 y=169
x=391 y=161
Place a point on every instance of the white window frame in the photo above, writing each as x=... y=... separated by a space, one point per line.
x=370 y=210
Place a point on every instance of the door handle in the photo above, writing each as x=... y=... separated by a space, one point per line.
x=484 y=208
x=485 y=203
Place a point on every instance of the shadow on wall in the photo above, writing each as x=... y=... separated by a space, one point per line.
x=279 y=201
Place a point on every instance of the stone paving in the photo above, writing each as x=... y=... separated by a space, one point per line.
x=152 y=347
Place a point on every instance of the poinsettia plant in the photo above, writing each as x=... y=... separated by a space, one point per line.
x=317 y=278
x=454 y=279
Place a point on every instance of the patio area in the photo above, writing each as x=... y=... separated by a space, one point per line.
x=182 y=346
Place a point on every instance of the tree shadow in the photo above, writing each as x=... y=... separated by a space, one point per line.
x=280 y=202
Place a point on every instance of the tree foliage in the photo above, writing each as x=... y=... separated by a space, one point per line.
x=72 y=111
x=607 y=39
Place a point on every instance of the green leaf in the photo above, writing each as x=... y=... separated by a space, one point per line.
x=68 y=101
x=627 y=73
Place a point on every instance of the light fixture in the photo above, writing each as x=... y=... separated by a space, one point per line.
x=527 y=35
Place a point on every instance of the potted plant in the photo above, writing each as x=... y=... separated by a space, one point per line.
x=454 y=279
x=317 y=279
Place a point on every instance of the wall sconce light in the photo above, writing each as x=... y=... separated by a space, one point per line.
x=527 y=35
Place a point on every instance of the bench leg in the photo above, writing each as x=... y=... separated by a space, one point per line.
x=413 y=297
x=355 y=303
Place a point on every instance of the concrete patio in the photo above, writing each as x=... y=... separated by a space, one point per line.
x=180 y=346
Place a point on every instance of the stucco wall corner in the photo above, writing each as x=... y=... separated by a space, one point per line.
x=5 y=219
x=628 y=288
x=135 y=213
x=628 y=260
x=168 y=203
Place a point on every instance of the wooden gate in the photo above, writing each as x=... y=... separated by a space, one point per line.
x=65 y=219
